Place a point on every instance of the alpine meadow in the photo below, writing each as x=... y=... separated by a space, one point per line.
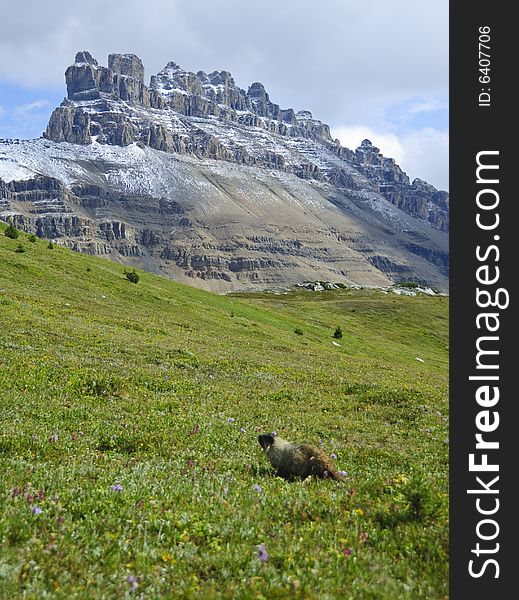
x=131 y=409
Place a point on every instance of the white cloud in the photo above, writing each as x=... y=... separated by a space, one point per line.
x=427 y=106
x=24 y=109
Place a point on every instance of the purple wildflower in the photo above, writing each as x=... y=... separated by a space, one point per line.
x=36 y=510
x=321 y=443
x=347 y=551
x=263 y=555
x=332 y=455
x=243 y=429
x=53 y=438
x=117 y=488
x=342 y=473
x=257 y=488
x=230 y=419
x=274 y=433
x=132 y=580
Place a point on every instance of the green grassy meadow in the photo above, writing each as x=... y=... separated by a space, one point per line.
x=129 y=455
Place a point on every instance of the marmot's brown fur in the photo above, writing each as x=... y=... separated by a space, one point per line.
x=291 y=460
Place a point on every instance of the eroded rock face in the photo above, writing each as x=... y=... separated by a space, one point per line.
x=209 y=116
x=128 y=65
x=419 y=199
x=123 y=79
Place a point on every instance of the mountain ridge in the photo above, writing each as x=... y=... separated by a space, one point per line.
x=221 y=187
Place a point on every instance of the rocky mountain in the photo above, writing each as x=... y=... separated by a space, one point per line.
x=200 y=180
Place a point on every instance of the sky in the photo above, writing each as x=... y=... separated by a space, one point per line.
x=376 y=69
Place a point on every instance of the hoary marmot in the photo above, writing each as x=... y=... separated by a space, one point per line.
x=301 y=461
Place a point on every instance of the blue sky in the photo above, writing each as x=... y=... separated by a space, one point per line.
x=376 y=69
x=24 y=112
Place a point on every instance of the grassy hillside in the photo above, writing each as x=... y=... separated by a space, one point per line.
x=129 y=454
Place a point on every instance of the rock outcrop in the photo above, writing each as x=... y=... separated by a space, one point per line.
x=419 y=199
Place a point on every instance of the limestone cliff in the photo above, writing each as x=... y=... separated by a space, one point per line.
x=113 y=105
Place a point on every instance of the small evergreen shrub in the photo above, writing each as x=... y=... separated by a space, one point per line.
x=337 y=334
x=298 y=331
x=32 y=238
x=20 y=248
x=88 y=269
x=50 y=245
x=132 y=276
x=12 y=232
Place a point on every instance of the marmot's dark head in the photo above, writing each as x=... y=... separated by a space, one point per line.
x=266 y=441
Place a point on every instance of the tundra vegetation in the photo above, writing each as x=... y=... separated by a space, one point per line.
x=129 y=455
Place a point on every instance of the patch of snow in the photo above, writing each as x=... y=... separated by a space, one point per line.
x=404 y=292
x=11 y=171
x=426 y=290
